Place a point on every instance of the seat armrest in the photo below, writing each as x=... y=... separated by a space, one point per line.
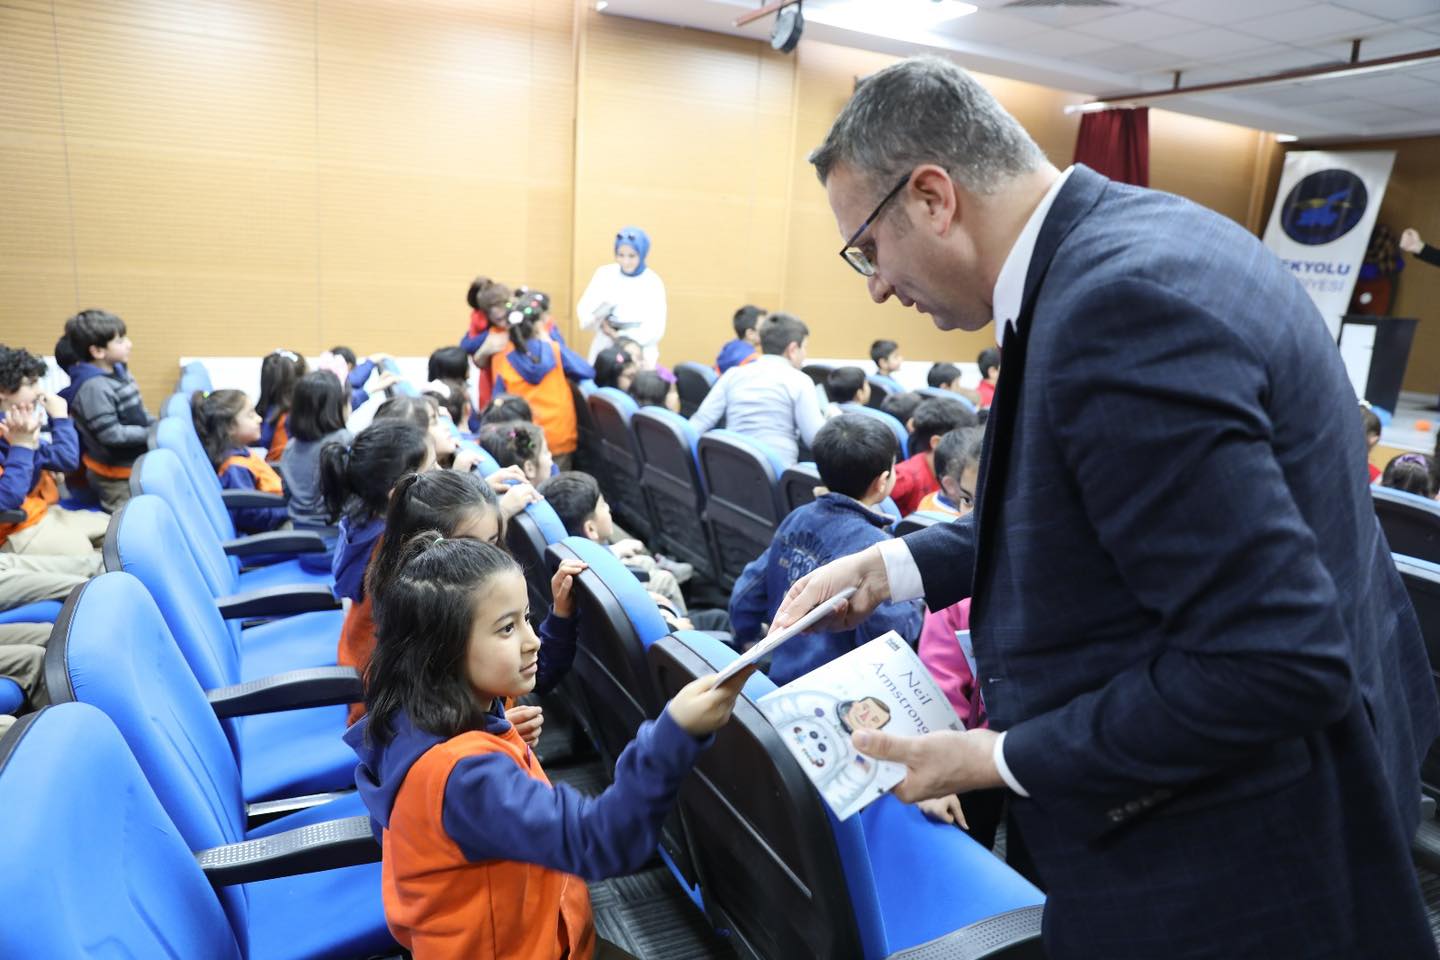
x=1015 y=932
x=320 y=846
x=270 y=809
x=12 y=516
x=236 y=499
x=275 y=541
x=279 y=601
x=291 y=690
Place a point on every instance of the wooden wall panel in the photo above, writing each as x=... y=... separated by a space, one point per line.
x=1211 y=163
x=1413 y=200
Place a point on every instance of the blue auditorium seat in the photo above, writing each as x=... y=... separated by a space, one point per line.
x=902 y=439
x=123 y=879
x=11 y=696
x=1411 y=523
x=112 y=647
x=880 y=388
x=744 y=505
x=818 y=372
x=620 y=479
x=586 y=387
x=671 y=479
x=946 y=395
x=194 y=376
x=693 y=382
x=797 y=485
x=527 y=535
x=1422 y=583
x=787 y=879
x=402 y=385
x=41 y=611
x=176 y=406
x=921 y=519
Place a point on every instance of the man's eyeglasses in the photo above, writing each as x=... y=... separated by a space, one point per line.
x=852 y=254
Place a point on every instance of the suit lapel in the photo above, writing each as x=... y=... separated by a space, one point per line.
x=1076 y=198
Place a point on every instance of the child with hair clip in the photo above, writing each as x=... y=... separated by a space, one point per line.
x=534 y=362
x=616 y=368
x=279 y=372
x=507 y=408
x=489 y=303
x=463 y=505
x=357 y=481
x=520 y=445
x=481 y=856
x=227 y=425
x=1410 y=473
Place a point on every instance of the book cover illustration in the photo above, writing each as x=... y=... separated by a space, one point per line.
x=879 y=686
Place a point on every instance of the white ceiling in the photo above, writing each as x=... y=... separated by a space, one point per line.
x=1131 y=45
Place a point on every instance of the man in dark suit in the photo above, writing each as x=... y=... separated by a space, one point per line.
x=1208 y=691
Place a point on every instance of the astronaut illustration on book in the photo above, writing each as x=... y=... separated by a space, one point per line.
x=818 y=727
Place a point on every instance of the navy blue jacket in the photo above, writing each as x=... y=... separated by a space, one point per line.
x=1185 y=613
x=23 y=466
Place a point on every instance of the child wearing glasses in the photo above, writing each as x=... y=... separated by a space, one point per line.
x=957 y=465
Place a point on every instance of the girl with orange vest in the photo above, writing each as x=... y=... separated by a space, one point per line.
x=228 y=425
x=482 y=858
x=532 y=360
x=279 y=372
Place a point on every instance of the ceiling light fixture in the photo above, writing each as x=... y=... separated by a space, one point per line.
x=897 y=19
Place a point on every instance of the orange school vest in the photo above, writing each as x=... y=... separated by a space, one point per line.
x=36 y=502
x=441 y=906
x=106 y=470
x=279 y=438
x=550 y=400
x=266 y=479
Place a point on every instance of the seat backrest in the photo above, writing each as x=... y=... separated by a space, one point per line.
x=118 y=879
x=672 y=481
x=919 y=520
x=527 y=535
x=112 y=649
x=160 y=472
x=880 y=388
x=176 y=405
x=744 y=508
x=761 y=836
x=178 y=435
x=1422 y=583
x=902 y=439
x=194 y=376
x=484 y=463
x=818 y=372
x=946 y=395
x=693 y=381
x=1411 y=523
x=797 y=485
x=620 y=480
x=616 y=620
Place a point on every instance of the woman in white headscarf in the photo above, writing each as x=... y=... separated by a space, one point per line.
x=625 y=299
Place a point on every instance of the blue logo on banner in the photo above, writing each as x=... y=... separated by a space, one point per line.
x=1323 y=207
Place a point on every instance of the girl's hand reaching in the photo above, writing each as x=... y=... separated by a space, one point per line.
x=701 y=708
x=562 y=587
x=517 y=498
x=501 y=480
x=527 y=722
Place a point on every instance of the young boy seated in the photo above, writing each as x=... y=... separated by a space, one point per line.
x=887 y=358
x=989 y=364
x=770 y=400
x=915 y=477
x=901 y=405
x=847 y=385
x=575 y=496
x=957 y=464
x=946 y=376
x=746 y=345
x=855 y=455
x=107 y=409
x=28 y=464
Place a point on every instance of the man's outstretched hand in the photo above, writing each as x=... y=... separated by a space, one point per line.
x=865 y=571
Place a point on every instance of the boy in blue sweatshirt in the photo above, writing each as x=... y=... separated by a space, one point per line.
x=746 y=345
x=855 y=455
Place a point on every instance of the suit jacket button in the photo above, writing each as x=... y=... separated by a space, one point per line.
x=1133 y=807
x=1116 y=815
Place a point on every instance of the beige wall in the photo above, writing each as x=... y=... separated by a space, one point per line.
x=236 y=175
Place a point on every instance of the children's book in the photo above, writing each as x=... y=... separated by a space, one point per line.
x=767 y=646
x=879 y=686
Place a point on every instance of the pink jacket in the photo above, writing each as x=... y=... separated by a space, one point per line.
x=940 y=652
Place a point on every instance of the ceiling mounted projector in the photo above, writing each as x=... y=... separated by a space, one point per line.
x=789 y=24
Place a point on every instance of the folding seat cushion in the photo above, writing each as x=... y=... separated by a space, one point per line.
x=11 y=696
x=671 y=479
x=788 y=879
x=797 y=485
x=123 y=878
x=1411 y=523
x=744 y=507
x=620 y=480
x=112 y=647
x=693 y=382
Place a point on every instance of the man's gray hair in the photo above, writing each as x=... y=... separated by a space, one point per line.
x=927 y=110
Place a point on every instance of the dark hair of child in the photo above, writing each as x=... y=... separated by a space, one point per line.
x=936 y=416
x=942 y=374
x=611 y=364
x=439 y=500
x=65 y=355
x=988 y=360
x=18 y=365
x=1410 y=473
x=574 y=495
x=508 y=408
x=346 y=354
x=526 y=312
x=318 y=406
x=422 y=630
x=487 y=296
x=356 y=480
x=881 y=349
x=418 y=410
x=649 y=389
x=452 y=401
x=448 y=363
x=214 y=414
x=512 y=444
x=780 y=331
x=902 y=405
x=851 y=450
x=92 y=328
x=1372 y=422
x=279 y=372
x=843 y=383
x=957 y=450
x=745 y=320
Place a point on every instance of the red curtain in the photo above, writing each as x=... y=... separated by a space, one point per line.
x=1117 y=144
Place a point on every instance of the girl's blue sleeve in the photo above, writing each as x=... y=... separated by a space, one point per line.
x=63 y=451
x=557 y=651
x=250 y=519
x=361 y=373
x=18 y=477
x=471 y=343
x=575 y=366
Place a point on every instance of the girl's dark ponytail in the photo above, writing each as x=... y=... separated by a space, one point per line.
x=335 y=476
